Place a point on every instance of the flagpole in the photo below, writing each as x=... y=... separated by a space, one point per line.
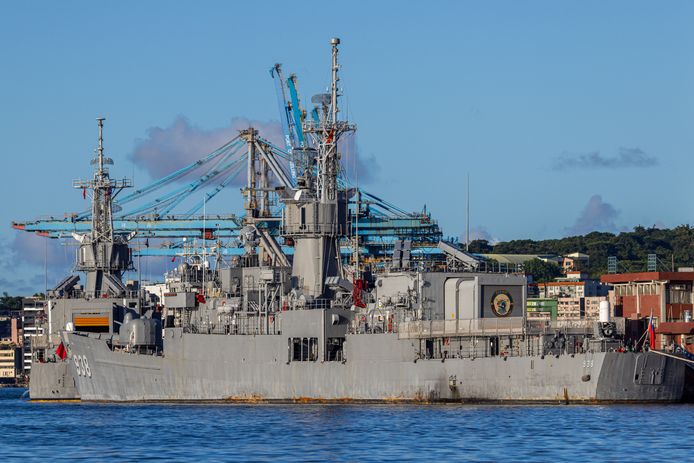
x=204 y=241
x=651 y=332
x=642 y=336
x=645 y=332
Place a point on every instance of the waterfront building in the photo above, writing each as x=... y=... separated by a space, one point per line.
x=579 y=308
x=667 y=296
x=33 y=316
x=570 y=308
x=575 y=261
x=585 y=288
x=8 y=362
x=591 y=307
x=542 y=308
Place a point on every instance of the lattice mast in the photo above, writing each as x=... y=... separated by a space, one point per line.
x=315 y=216
x=326 y=135
x=102 y=252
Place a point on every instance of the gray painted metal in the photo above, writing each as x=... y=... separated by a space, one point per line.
x=467 y=260
x=267 y=334
x=52 y=381
x=376 y=368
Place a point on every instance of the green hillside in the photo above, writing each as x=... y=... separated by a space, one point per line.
x=630 y=248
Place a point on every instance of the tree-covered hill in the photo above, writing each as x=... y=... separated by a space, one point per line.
x=630 y=248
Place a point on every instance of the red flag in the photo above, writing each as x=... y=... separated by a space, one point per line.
x=651 y=333
x=200 y=298
x=84 y=193
x=357 y=293
x=61 y=351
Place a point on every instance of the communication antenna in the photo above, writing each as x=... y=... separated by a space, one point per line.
x=204 y=243
x=333 y=82
x=467 y=220
x=100 y=121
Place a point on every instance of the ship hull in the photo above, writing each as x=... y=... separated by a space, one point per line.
x=52 y=381
x=379 y=368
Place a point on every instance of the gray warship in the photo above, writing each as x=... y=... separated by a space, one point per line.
x=103 y=256
x=309 y=327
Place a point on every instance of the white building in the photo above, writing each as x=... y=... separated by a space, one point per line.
x=33 y=317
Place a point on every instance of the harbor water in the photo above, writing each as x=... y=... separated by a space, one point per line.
x=211 y=432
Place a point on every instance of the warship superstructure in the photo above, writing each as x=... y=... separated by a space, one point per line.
x=101 y=303
x=306 y=326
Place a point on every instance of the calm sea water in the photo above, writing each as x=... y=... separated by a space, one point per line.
x=116 y=432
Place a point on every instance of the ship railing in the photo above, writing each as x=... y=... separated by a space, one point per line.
x=499 y=267
x=574 y=325
x=240 y=325
x=468 y=347
x=79 y=294
x=461 y=327
x=500 y=326
x=373 y=325
x=421 y=264
x=503 y=337
x=476 y=349
x=39 y=342
x=322 y=303
x=310 y=229
x=484 y=266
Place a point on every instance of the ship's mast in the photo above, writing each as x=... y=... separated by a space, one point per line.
x=334 y=79
x=329 y=132
x=102 y=219
x=315 y=215
x=101 y=252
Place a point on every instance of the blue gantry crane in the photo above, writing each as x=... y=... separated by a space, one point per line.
x=154 y=211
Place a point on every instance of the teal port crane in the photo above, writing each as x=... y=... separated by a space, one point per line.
x=158 y=210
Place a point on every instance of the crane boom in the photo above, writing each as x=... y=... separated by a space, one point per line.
x=286 y=118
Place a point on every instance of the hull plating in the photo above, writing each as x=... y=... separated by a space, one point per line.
x=378 y=368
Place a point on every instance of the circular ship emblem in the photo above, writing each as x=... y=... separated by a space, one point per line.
x=502 y=303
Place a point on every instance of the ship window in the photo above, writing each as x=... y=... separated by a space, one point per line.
x=296 y=349
x=304 y=349
x=334 y=351
x=494 y=346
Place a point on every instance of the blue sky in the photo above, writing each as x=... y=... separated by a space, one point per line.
x=569 y=116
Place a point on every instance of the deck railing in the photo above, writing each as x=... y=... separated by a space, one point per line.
x=461 y=327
